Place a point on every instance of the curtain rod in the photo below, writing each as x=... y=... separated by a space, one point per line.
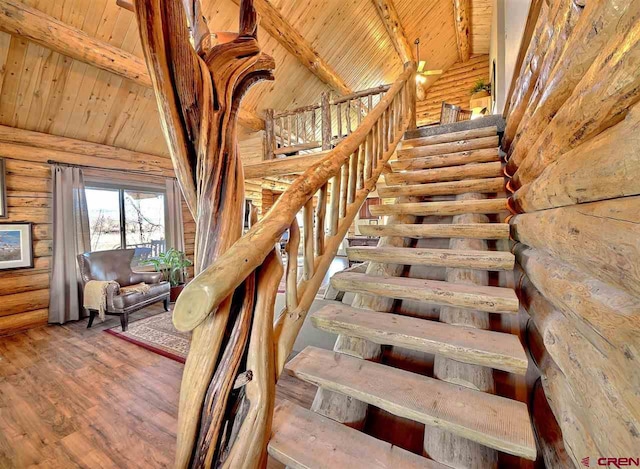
x=73 y=165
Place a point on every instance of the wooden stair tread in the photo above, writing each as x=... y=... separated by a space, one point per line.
x=449 y=147
x=453 y=207
x=450 y=137
x=448 y=159
x=483 y=186
x=453 y=258
x=488 y=419
x=450 y=173
x=302 y=438
x=475 y=297
x=439 y=230
x=465 y=344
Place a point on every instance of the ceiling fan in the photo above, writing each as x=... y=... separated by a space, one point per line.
x=422 y=74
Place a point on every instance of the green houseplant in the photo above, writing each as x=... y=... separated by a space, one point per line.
x=480 y=89
x=172 y=264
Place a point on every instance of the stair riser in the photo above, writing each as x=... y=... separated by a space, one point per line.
x=453 y=173
x=437 y=258
x=483 y=186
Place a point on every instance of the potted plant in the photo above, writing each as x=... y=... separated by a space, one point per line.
x=481 y=89
x=172 y=264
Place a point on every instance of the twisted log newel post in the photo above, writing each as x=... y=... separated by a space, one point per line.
x=199 y=79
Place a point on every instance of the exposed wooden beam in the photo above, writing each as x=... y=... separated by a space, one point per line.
x=18 y=19
x=288 y=37
x=389 y=16
x=461 y=15
x=30 y=138
x=39 y=147
x=282 y=166
x=282 y=31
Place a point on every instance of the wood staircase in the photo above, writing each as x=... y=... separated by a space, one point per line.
x=448 y=175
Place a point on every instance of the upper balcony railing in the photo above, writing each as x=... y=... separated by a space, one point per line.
x=318 y=126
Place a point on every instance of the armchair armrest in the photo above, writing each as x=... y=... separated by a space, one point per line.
x=113 y=290
x=146 y=277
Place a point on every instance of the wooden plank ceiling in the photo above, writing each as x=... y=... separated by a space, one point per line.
x=44 y=91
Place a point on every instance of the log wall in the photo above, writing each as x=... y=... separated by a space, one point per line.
x=24 y=293
x=574 y=153
x=454 y=87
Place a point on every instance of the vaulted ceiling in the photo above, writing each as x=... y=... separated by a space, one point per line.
x=48 y=92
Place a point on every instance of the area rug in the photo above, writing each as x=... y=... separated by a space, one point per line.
x=157 y=334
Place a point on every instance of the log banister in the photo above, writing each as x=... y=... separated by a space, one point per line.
x=230 y=303
x=205 y=292
x=336 y=123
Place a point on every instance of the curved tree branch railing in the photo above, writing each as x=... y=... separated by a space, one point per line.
x=228 y=386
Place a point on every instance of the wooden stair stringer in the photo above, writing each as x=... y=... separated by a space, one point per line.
x=338 y=406
x=464 y=166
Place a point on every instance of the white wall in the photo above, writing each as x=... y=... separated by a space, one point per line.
x=507 y=27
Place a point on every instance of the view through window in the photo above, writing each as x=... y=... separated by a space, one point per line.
x=126 y=218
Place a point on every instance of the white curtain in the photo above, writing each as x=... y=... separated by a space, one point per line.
x=174 y=227
x=70 y=238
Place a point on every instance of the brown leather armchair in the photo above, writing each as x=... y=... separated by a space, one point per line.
x=116 y=265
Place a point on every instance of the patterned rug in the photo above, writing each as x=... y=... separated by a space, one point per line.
x=157 y=334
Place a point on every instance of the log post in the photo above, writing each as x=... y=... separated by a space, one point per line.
x=198 y=95
x=411 y=103
x=325 y=110
x=269 y=135
x=338 y=406
x=461 y=15
x=440 y=445
x=389 y=16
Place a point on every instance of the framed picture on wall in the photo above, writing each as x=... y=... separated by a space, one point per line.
x=3 y=191
x=16 y=246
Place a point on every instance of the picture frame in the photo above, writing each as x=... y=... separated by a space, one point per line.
x=3 y=190
x=16 y=246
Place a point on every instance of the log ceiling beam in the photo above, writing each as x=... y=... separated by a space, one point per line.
x=18 y=19
x=288 y=37
x=461 y=9
x=389 y=16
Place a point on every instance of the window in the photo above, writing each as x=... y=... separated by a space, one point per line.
x=126 y=218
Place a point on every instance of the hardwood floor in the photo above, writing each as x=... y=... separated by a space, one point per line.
x=76 y=397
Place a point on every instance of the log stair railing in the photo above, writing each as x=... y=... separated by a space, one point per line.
x=319 y=126
x=466 y=422
x=327 y=198
x=237 y=353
